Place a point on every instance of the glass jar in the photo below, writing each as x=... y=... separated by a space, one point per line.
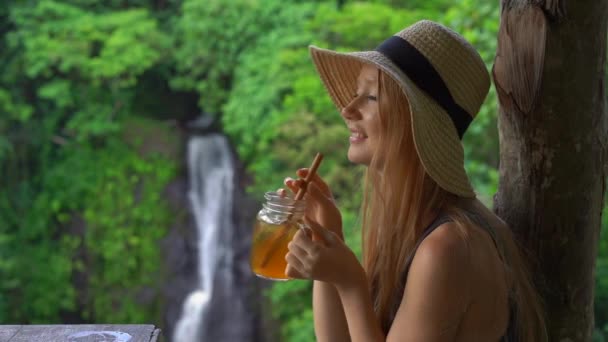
x=276 y=224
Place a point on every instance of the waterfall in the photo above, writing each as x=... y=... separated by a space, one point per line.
x=214 y=310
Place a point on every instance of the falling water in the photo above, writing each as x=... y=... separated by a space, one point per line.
x=211 y=190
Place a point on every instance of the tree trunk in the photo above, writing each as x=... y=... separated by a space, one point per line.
x=549 y=73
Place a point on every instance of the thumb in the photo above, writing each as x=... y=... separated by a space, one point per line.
x=323 y=233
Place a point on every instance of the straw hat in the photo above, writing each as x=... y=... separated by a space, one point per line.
x=444 y=79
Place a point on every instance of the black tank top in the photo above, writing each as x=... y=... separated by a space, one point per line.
x=510 y=334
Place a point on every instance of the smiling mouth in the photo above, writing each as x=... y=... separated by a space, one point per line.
x=357 y=137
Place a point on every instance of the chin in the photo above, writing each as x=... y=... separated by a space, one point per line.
x=357 y=156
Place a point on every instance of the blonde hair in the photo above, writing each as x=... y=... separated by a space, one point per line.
x=398 y=195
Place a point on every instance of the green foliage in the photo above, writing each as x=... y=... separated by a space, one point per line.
x=85 y=62
x=61 y=39
x=82 y=86
x=296 y=317
x=76 y=202
x=124 y=228
x=211 y=38
x=434 y=6
x=120 y=236
x=353 y=27
x=263 y=76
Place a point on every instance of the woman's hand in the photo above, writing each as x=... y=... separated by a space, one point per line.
x=327 y=259
x=321 y=206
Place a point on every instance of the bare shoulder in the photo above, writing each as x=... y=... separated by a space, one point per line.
x=444 y=247
x=442 y=267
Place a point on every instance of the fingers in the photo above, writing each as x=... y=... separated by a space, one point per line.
x=292 y=184
x=313 y=190
x=316 y=188
x=316 y=179
x=296 y=249
x=304 y=242
x=295 y=185
x=325 y=234
x=282 y=192
x=295 y=268
x=292 y=272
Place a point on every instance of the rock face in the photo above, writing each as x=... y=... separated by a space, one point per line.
x=179 y=255
x=235 y=310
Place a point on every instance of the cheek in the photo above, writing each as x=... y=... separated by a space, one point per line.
x=374 y=130
x=375 y=121
x=374 y=144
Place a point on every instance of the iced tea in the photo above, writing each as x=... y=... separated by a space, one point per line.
x=270 y=247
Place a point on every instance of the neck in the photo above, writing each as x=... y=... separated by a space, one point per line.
x=429 y=216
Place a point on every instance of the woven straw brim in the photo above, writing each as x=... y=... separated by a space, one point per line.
x=435 y=137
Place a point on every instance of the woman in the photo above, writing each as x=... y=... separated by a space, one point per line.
x=437 y=264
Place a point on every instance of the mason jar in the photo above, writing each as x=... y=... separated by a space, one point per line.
x=276 y=224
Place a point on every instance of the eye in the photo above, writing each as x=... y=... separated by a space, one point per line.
x=368 y=97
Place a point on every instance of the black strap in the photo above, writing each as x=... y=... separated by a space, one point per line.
x=398 y=295
x=434 y=225
x=420 y=70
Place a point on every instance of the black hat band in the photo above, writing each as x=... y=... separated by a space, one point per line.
x=415 y=65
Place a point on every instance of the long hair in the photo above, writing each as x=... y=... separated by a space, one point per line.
x=398 y=195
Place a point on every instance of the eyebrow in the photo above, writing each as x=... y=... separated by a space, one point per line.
x=366 y=80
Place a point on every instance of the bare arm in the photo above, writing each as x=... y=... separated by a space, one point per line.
x=362 y=322
x=330 y=322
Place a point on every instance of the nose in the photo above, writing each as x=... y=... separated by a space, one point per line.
x=351 y=111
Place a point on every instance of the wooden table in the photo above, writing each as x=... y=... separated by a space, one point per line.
x=79 y=333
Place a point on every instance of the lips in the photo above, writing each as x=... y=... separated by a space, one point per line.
x=357 y=136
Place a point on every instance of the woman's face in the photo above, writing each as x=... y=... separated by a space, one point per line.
x=362 y=117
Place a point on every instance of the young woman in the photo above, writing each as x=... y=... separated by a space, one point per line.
x=437 y=264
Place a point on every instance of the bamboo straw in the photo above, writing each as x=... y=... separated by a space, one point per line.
x=300 y=195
